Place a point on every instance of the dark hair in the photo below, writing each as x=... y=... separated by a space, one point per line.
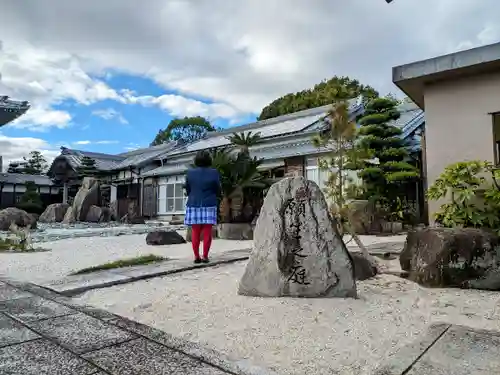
x=203 y=159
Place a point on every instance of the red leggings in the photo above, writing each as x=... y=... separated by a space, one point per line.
x=196 y=237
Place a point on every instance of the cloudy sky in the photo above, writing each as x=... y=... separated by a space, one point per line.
x=106 y=75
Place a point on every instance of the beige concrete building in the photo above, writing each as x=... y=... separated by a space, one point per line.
x=460 y=94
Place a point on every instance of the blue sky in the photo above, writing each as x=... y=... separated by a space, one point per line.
x=110 y=126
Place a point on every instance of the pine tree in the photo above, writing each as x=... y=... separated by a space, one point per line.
x=387 y=167
x=87 y=168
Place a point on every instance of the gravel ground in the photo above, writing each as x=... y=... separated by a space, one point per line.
x=73 y=254
x=296 y=336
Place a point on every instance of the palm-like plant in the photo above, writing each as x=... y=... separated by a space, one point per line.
x=244 y=140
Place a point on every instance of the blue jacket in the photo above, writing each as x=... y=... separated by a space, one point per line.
x=202 y=187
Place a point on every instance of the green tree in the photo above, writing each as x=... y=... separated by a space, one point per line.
x=244 y=140
x=387 y=168
x=87 y=168
x=34 y=164
x=326 y=92
x=30 y=200
x=187 y=129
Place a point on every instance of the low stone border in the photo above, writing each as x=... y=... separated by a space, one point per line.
x=77 y=284
x=183 y=346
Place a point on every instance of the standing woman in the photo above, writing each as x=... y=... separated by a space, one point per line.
x=202 y=187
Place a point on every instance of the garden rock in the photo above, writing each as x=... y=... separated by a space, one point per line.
x=87 y=195
x=363 y=268
x=164 y=238
x=297 y=251
x=235 y=231
x=69 y=216
x=54 y=213
x=453 y=257
x=14 y=215
x=94 y=214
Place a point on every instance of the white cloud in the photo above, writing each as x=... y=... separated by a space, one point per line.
x=14 y=149
x=240 y=55
x=179 y=106
x=110 y=114
x=86 y=142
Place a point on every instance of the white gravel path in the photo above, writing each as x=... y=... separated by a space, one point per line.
x=296 y=336
x=73 y=254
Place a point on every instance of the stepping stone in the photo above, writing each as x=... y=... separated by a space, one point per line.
x=8 y=292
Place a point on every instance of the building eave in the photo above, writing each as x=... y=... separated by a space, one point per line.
x=413 y=77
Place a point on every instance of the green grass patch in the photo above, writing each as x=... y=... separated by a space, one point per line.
x=8 y=245
x=137 y=261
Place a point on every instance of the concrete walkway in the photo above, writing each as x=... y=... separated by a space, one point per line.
x=448 y=349
x=43 y=333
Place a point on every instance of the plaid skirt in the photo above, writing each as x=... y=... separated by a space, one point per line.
x=200 y=215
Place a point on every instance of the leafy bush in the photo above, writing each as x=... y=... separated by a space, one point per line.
x=31 y=207
x=473 y=201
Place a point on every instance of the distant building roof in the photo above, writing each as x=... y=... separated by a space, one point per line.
x=11 y=109
x=109 y=162
x=21 y=178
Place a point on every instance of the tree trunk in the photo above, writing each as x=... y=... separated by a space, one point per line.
x=362 y=247
x=225 y=210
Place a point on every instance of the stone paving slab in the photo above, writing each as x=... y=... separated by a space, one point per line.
x=128 y=358
x=7 y=292
x=42 y=357
x=448 y=350
x=90 y=341
x=77 y=284
x=34 y=308
x=12 y=332
x=67 y=331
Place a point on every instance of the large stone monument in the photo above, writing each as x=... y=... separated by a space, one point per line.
x=297 y=250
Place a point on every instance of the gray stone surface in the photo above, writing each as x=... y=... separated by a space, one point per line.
x=80 y=333
x=12 y=332
x=196 y=350
x=144 y=357
x=297 y=250
x=34 y=308
x=75 y=284
x=58 y=345
x=41 y=357
x=7 y=292
x=405 y=357
x=461 y=351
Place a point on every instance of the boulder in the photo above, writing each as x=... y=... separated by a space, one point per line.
x=54 y=213
x=189 y=233
x=160 y=237
x=87 y=195
x=94 y=214
x=297 y=251
x=106 y=215
x=113 y=206
x=19 y=217
x=235 y=231
x=452 y=257
x=363 y=268
x=69 y=216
